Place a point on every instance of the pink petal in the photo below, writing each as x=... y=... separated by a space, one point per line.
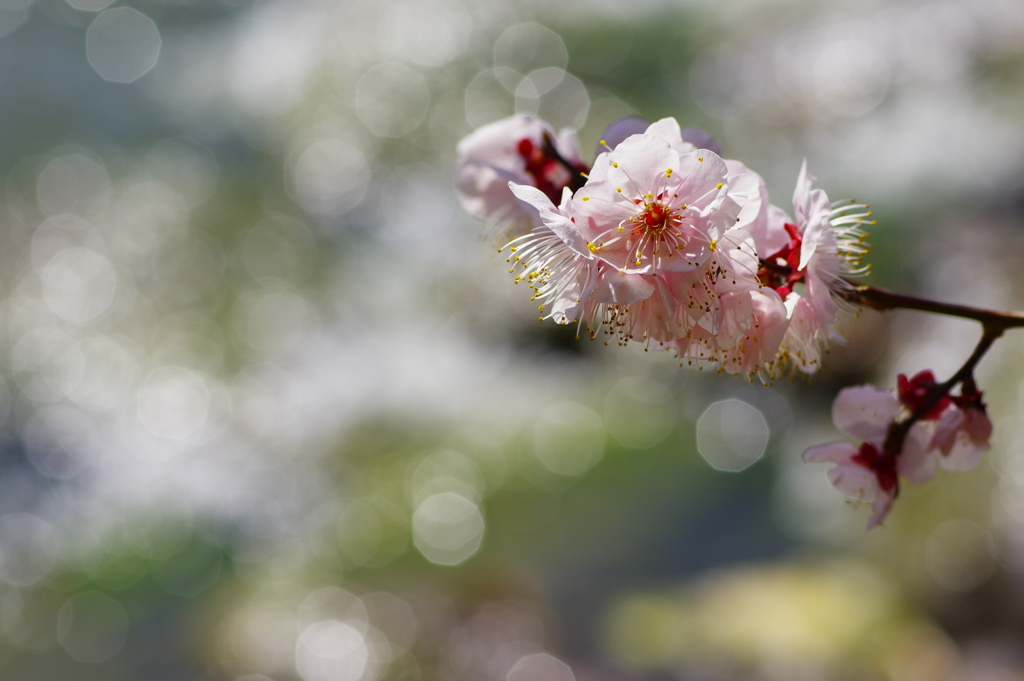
x=668 y=130
x=552 y=217
x=855 y=481
x=865 y=412
x=621 y=288
x=918 y=461
x=880 y=509
x=642 y=164
x=834 y=452
x=749 y=191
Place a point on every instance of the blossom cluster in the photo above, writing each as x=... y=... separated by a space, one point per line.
x=660 y=240
x=909 y=434
x=664 y=242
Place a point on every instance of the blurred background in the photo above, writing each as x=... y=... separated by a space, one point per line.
x=273 y=410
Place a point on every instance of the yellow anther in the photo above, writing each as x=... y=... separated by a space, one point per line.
x=603 y=143
x=650 y=195
x=615 y=165
x=700 y=160
x=713 y=245
x=621 y=228
x=592 y=247
x=668 y=172
x=618 y=189
x=586 y=198
x=718 y=186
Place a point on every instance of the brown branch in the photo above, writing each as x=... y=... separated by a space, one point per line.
x=881 y=299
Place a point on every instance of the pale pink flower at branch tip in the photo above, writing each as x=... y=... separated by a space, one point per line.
x=866 y=471
x=908 y=434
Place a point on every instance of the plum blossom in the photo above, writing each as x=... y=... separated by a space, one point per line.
x=656 y=209
x=519 y=149
x=962 y=430
x=553 y=258
x=753 y=324
x=667 y=227
x=819 y=248
x=664 y=242
x=870 y=471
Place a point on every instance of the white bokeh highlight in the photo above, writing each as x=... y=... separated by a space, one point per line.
x=122 y=45
x=447 y=528
x=731 y=435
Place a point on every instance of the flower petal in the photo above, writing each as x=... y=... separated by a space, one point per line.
x=918 y=461
x=621 y=288
x=880 y=508
x=865 y=412
x=834 y=452
x=552 y=217
x=855 y=481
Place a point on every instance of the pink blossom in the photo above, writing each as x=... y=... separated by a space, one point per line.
x=963 y=430
x=868 y=472
x=753 y=324
x=519 y=149
x=819 y=248
x=657 y=210
x=553 y=258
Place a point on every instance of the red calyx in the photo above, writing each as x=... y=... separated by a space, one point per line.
x=879 y=463
x=970 y=396
x=915 y=392
x=550 y=172
x=782 y=277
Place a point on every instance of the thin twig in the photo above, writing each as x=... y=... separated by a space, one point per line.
x=898 y=431
x=881 y=299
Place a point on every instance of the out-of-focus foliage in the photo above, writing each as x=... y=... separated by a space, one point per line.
x=272 y=408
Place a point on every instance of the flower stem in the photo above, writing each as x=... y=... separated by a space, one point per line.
x=898 y=431
x=881 y=299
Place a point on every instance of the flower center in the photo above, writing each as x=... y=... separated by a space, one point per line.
x=781 y=270
x=879 y=463
x=655 y=217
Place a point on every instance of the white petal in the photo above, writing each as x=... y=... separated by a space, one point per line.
x=963 y=456
x=802 y=192
x=773 y=236
x=552 y=217
x=700 y=173
x=816 y=223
